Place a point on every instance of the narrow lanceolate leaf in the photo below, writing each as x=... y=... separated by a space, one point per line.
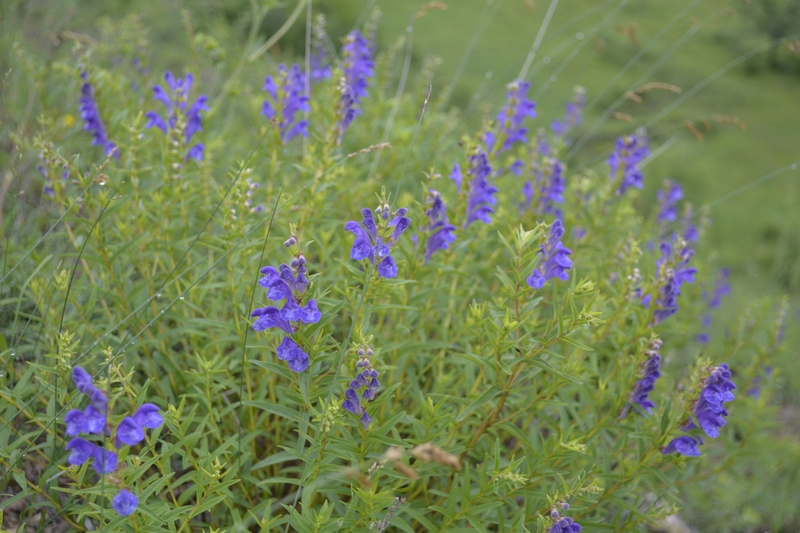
x=483 y=399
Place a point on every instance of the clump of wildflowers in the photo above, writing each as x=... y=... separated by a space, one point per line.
x=624 y=161
x=93 y=420
x=287 y=282
x=183 y=120
x=288 y=94
x=375 y=240
x=358 y=68
x=640 y=399
x=481 y=192
x=440 y=231
x=554 y=261
x=709 y=412
x=366 y=381
x=573 y=115
x=91 y=116
x=511 y=118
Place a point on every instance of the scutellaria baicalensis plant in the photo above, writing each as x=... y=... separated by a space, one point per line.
x=573 y=114
x=288 y=283
x=708 y=412
x=358 y=67
x=553 y=258
x=91 y=117
x=376 y=235
x=366 y=382
x=629 y=151
x=440 y=232
x=93 y=420
x=651 y=371
x=511 y=119
x=441 y=385
x=182 y=121
x=287 y=101
x=481 y=196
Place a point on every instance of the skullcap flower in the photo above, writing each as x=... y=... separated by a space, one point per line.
x=91 y=116
x=708 y=411
x=181 y=117
x=288 y=94
x=554 y=261
x=624 y=161
x=125 y=503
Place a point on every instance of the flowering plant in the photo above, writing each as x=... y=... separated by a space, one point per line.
x=466 y=326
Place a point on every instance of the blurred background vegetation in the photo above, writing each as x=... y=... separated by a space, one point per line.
x=724 y=142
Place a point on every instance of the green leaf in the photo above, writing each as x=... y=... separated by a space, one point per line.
x=577 y=344
x=275 y=409
x=487 y=396
x=536 y=361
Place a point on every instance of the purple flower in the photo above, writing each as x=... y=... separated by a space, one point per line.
x=105 y=461
x=652 y=371
x=549 y=188
x=629 y=151
x=456 y=177
x=148 y=416
x=709 y=411
x=511 y=118
x=527 y=195
x=365 y=381
x=129 y=432
x=374 y=243
x=555 y=261
x=125 y=503
x=686 y=445
x=672 y=273
x=179 y=118
x=755 y=390
x=565 y=525
x=481 y=192
x=287 y=282
x=358 y=67
x=320 y=69
x=81 y=451
x=289 y=351
x=83 y=381
x=91 y=116
x=573 y=115
x=721 y=288
x=703 y=337
x=270 y=317
x=288 y=94
x=668 y=199
x=92 y=421
x=440 y=231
